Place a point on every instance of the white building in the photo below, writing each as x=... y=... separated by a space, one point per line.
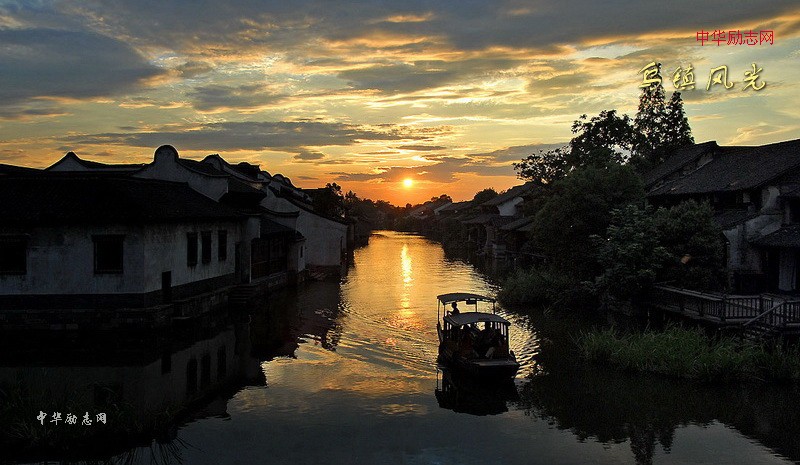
x=105 y=241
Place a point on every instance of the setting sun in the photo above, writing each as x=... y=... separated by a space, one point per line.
x=408 y=182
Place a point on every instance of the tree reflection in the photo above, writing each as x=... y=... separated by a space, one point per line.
x=614 y=407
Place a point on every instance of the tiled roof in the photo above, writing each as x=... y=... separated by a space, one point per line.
x=787 y=236
x=678 y=159
x=481 y=219
x=515 y=191
x=516 y=224
x=732 y=218
x=199 y=166
x=736 y=169
x=92 y=199
x=456 y=206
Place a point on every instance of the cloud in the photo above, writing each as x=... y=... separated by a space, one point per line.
x=515 y=153
x=309 y=156
x=444 y=170
x=215 y=97
x=294 y=136
x=56 y=64
x=421 y=148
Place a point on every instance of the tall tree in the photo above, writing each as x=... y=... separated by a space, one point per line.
x=650 y=124
x=603 y=139
x=678 y=131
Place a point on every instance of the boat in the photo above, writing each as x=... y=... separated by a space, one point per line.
x=474 y=342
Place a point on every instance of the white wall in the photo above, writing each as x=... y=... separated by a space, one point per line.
x=165 y=250
x=326 y=240
x=165 y=167
x=509 y=208
x=61 y=259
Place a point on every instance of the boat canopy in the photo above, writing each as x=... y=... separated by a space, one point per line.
x=462 y=296
x=467 y=318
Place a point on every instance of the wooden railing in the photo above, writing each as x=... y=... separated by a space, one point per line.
x=715 y=306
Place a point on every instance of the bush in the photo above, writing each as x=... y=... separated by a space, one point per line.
x=537 y=287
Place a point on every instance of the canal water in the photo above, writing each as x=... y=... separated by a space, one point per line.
x=346 y=373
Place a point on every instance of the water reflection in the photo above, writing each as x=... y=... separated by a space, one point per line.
x=650 y=413
x=345 y=373
x=463 y=394
x=144 y=385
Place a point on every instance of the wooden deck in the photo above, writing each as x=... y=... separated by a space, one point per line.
x=758 y=316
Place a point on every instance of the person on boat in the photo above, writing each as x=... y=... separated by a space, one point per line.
x=455 y=310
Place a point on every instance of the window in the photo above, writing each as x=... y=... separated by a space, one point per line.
x=191 y=248
x=301 y=251
x=13 y=255
x=205 y=242
x=222 y=245
x=108 y=254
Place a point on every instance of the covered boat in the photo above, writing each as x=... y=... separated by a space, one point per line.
x=474 y=342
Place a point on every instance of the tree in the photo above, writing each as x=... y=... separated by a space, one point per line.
x=658 y=128
x=603 y=139
x=678 y=131
x=650 y=123
x=580 y=206
x=694 y=243
x=630 y=256
x=484 y=196
x=329 y=201
x=545 y=167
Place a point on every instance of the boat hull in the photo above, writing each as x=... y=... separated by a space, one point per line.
x=504 y=368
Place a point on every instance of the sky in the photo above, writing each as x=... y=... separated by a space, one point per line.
x=368 y=94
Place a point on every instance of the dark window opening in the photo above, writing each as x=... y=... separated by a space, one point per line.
x=108 y=254
x=191 y=249
x=205 y=242
x=222 y=245
x=301 y=251
x=13 y=255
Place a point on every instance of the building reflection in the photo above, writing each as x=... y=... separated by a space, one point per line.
x=145 y=385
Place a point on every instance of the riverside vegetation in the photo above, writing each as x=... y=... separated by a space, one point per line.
x=689 y=354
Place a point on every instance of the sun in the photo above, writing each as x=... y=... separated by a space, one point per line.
x=408 y=182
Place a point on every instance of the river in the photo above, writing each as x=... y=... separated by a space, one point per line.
x=345 y=373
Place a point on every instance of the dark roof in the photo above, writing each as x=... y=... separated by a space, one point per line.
x=516 y=191
x=731 y=218
x=199 y=166
x=736 y=169
x=517 y=224
x=96 y=165
x=481 y=219
x=86 y=198
x=16 y=170
x=787 y=236
x=456 y=206
x=271 y=228
x=678 y=159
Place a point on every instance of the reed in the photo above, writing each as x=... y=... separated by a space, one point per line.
x=689 y=354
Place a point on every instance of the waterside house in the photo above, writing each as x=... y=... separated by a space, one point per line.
x=755 y=194
x=144 y=250
x=169 y=239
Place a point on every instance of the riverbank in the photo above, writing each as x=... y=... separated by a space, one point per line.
x=689 y=354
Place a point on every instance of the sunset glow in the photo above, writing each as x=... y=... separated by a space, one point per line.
x=408 y=182
x=324 y=92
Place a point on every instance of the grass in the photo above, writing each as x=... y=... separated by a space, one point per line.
x=689 y=354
